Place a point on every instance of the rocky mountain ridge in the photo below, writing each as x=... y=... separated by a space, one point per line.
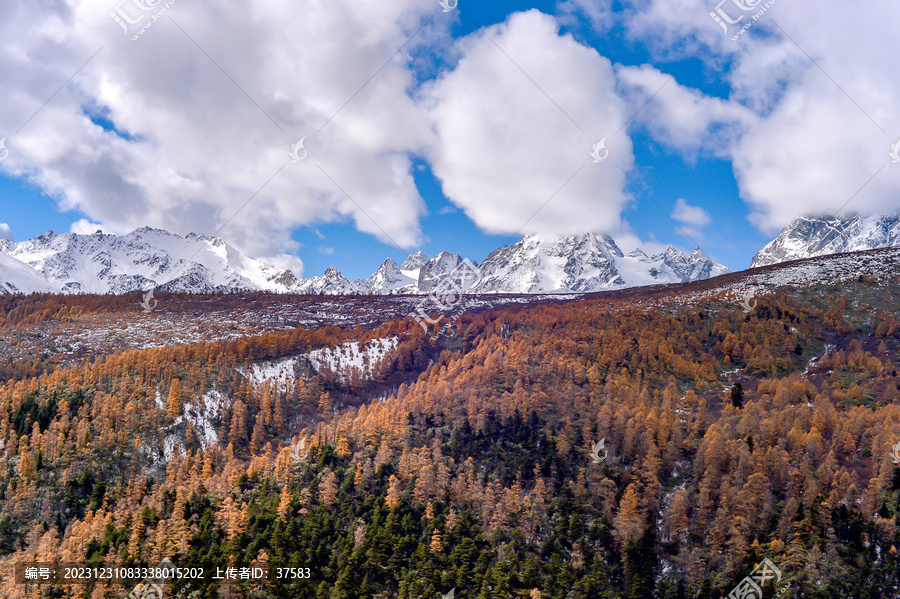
x=811 y=236
x=150 y=258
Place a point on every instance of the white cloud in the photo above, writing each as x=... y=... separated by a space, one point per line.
x=507 y=150
x=812 y=141
x=690 y=215
x=325 y=250
x=201 y=151
x=285 y=261
x=598 y=12
x=83 y=226
x=6 y=232
x=681 y=117
x=497 y=127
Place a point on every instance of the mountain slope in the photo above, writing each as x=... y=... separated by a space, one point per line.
x=807 y=237
x=18 y=277
x=553 y=383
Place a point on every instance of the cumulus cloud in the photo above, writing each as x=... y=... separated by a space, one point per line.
x=682 y=117
x=6 y=232
x=83 y=226
x=803 y=136
x=690 y=215
x=517 y=118
x=187 y=130
x=189 y=146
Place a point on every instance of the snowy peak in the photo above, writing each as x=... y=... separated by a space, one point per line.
x=149 y=258
x=436 y=269
x=585 y=263
x=143 y=259
x=388 y=279
x=695 y=267
x=808 y=237
x=332 y=282
x=414 y=261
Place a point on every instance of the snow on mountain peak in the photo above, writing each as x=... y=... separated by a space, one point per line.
x=18 y=277
x=389 y=278
x=810 y=236
x=149 y=258
x=143 y=259
x=414 y=261
x=584 y=263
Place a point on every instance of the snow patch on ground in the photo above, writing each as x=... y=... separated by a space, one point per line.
x=171 y=443
x=343 y=359
x=347 y=357
x=280 y=372
x=203 y=413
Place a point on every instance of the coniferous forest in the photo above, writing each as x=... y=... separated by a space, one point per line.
x=466 y=457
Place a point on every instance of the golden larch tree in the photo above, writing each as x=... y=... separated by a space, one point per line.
x=175 y=401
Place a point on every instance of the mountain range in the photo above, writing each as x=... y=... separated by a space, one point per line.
x=145 y=258
x=150 y=258
x=156 y=259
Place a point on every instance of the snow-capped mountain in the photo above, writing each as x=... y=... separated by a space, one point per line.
x=145 y=258
x=585 y=263
x=390 y=278
x=18 y=277
x=433 y=271
x=414 y=261
x=808 y=237
x=156 y=259
x=331 y=283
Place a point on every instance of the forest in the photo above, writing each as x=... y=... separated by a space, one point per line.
x=461 y=457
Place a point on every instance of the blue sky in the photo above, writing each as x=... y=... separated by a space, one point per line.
x=154 y=132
